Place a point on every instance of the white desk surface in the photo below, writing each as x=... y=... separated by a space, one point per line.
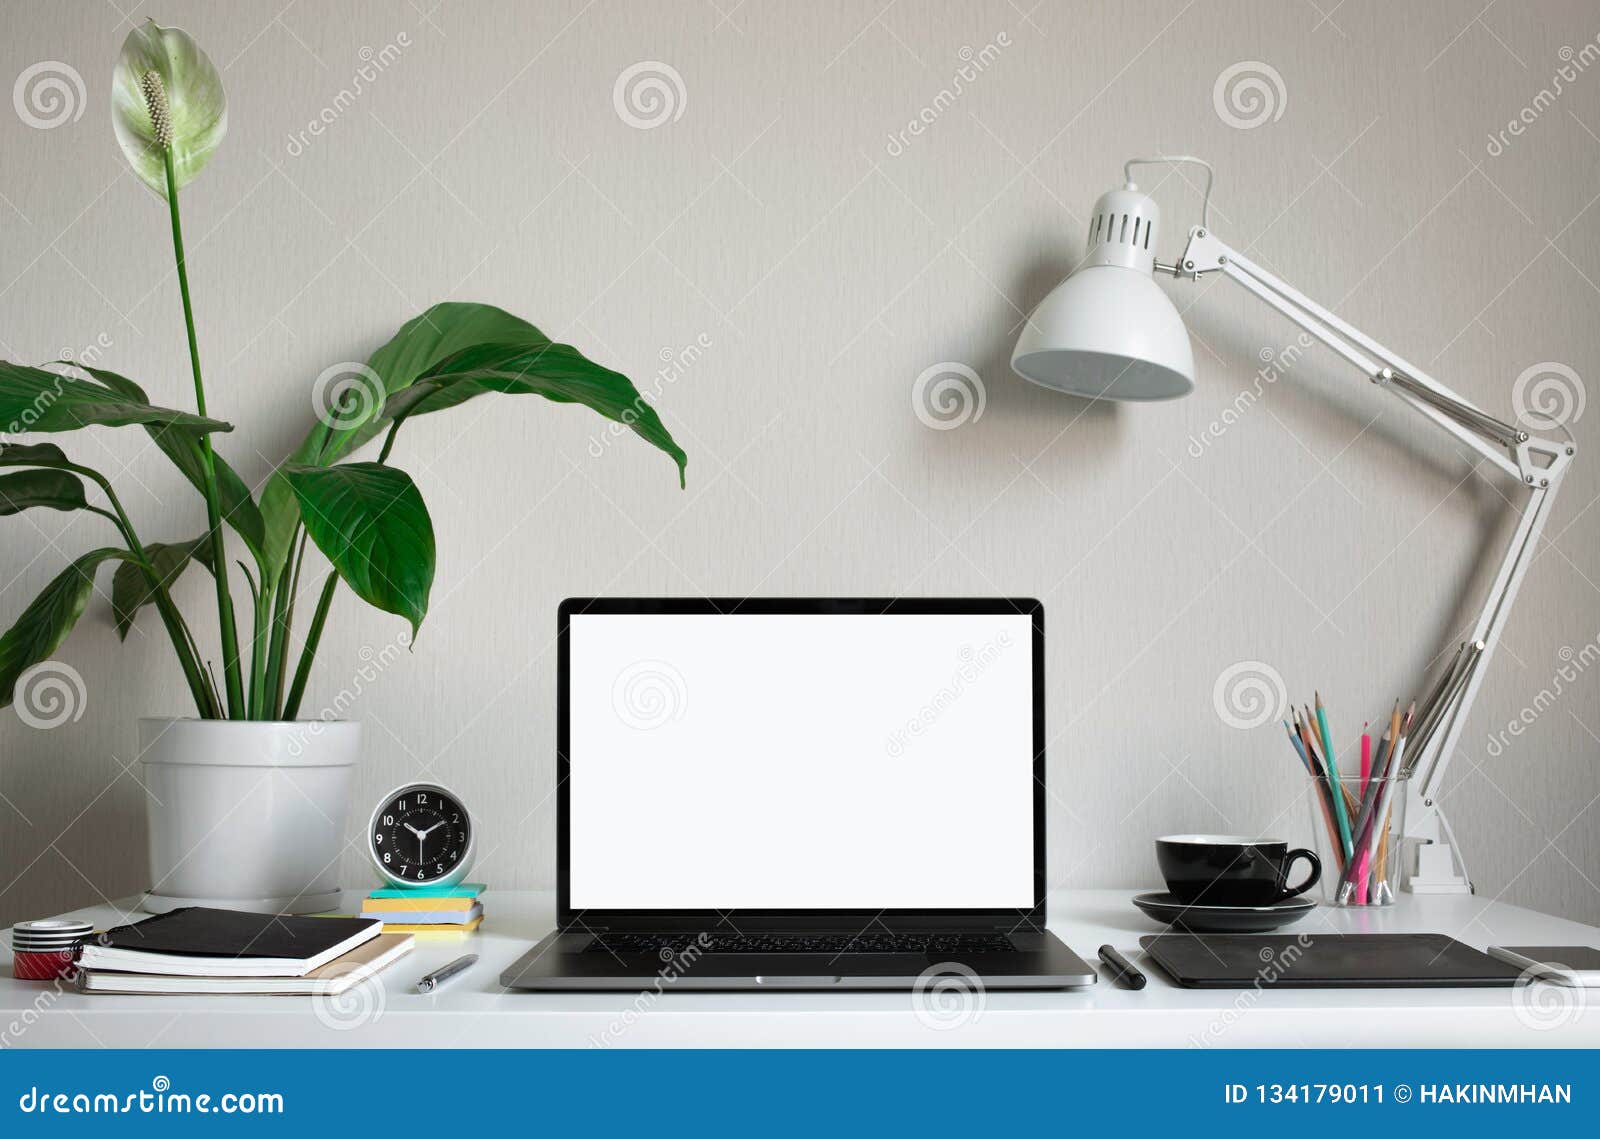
x=474 y=1011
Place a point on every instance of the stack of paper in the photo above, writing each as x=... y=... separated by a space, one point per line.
x=200 y=950
x=426 y=909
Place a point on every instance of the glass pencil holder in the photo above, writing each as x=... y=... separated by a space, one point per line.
x=1358 y=837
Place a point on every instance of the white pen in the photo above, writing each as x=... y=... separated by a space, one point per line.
x=436 y=978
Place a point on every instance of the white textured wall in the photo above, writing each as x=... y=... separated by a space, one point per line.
x=771 y=220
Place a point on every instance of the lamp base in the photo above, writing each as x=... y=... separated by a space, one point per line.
x=1436 y=871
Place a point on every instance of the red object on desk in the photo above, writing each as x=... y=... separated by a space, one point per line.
x=35 y=965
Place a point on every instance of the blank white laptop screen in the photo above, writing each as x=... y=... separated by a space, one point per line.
x=801 y=761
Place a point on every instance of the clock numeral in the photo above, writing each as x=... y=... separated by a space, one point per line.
x=377 y=837
x=386 y=859
x=388 y=820
x=422 y=796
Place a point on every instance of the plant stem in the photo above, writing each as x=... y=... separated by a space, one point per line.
x=177 y=628
x=308 y=651
x=219 y=552
x=258 y=653
x=282 y=624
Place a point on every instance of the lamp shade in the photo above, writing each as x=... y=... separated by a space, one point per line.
x=1108 y=331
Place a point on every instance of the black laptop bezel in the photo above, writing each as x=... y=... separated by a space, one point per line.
x=1013 y=919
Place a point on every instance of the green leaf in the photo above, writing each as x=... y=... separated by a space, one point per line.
x=198 y=106
x=558 y=372
x=370 y=521
x=46 y=623
x=32 y=455
x=33 y=399
x=182 y=446
x=57 y=490
x=130 y=589
x=418 y=347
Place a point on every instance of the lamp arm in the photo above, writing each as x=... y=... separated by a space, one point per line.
x=1538 y=463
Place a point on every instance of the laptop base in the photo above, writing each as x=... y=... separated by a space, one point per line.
x=563 y=962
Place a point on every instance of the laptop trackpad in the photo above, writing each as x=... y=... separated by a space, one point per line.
x=775 y=968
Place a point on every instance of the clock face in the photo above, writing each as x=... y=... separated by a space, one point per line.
x=420 y=835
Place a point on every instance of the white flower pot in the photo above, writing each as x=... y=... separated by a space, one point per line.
x=246 y=815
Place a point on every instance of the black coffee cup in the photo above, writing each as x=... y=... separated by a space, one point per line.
x=1227 y=870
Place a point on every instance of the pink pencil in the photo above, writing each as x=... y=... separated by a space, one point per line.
x=1366 y=774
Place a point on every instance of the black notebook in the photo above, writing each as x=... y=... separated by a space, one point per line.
x=1324 y=961
x=202 y=942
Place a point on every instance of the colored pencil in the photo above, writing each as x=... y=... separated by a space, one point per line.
x=1318 y=785
x=1339 y=812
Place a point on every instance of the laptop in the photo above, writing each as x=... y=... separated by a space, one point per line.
x=799 y=794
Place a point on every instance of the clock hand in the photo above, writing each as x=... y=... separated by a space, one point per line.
x=433 y=828
x=413 y=829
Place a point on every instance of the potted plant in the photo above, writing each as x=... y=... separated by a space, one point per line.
x=247 y=801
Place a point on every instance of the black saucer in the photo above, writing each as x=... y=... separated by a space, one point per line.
x=1167 y=910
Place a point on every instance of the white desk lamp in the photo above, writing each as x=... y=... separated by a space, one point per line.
x=1109 y=332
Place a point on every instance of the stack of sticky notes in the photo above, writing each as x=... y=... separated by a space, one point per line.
x=426 y=909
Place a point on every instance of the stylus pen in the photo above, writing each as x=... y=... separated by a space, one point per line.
x=1123 y=971
x=439 y=976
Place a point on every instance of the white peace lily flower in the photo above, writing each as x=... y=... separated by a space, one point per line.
x=165 y=93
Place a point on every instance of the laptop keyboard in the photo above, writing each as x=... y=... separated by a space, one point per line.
x=668 y=945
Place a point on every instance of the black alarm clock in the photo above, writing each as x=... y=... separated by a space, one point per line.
x=421 y=835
